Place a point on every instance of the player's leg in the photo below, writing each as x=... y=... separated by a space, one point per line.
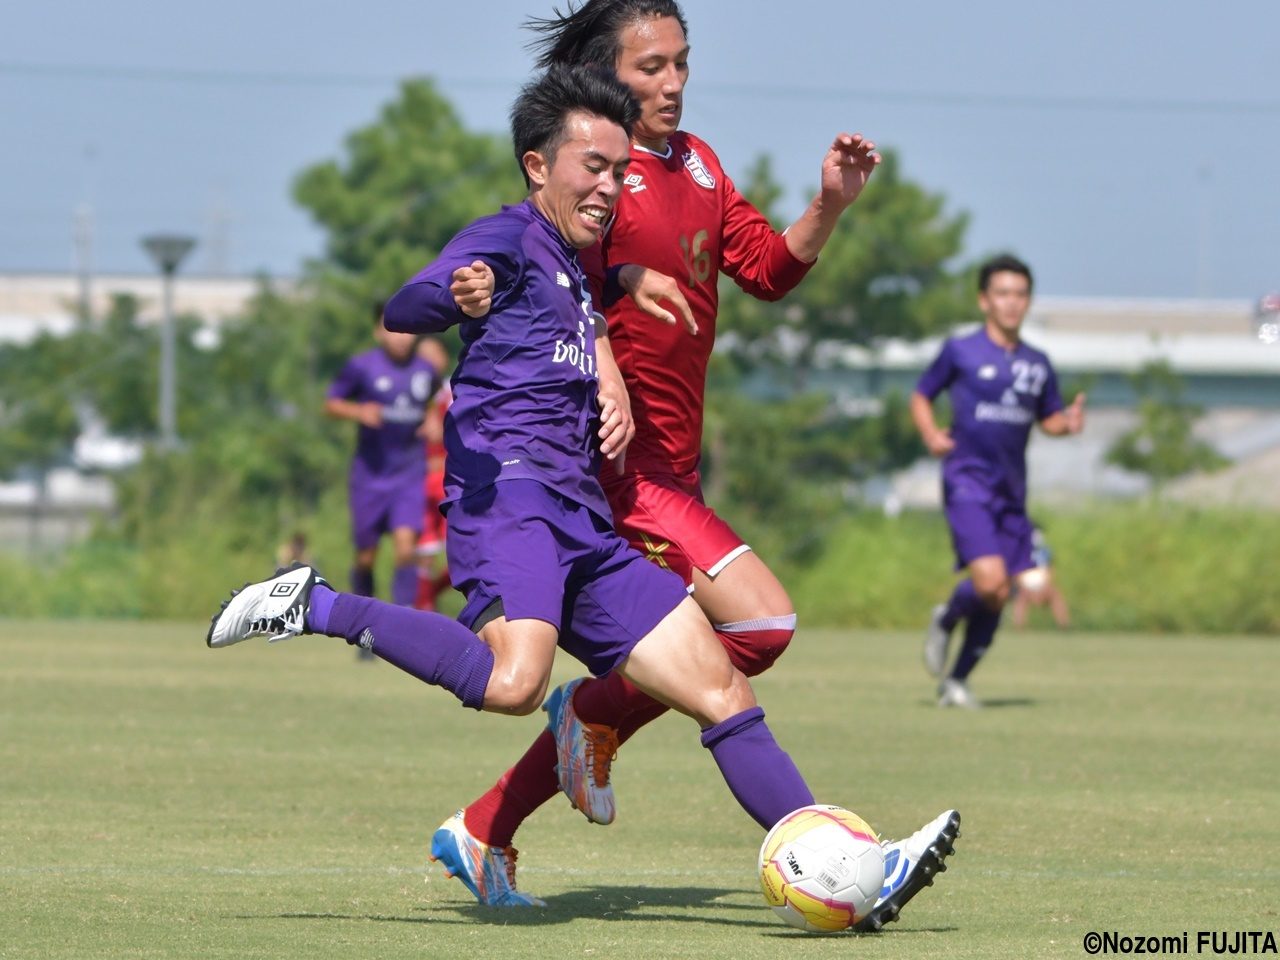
x=678 y=661
x=666 y=520
x=974 y=536
x=368 y=524
x=404 y=520
x=501 y=543
x=404 y=581
x=991 y=583
x=431 y=647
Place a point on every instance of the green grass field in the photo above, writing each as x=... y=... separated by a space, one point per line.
x=158 y=799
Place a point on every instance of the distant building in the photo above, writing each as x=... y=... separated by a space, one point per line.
x=35 y=303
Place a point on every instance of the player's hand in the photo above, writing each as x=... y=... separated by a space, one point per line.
x=646 y=287
x=369 y=415
x=846 y=169
x=939 y=443
x=472 y=288
x=617 y=426
x=1073 y=416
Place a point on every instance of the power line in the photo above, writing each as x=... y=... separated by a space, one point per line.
x=1126 y=104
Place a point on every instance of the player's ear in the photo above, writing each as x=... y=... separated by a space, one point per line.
x=536 y=166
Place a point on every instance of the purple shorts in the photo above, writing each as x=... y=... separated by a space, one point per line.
x=381 y=505
x=996 y=528
x=549 y=558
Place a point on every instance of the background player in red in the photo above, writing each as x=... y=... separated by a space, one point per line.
x=433 y=570
x=679 y=215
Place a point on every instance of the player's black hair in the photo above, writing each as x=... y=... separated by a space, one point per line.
x=590 y=35
x=539 y=115
x=377 y=306
x=1004 y=263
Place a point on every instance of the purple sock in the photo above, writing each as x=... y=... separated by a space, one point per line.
x=963 y=602
x=760 y=775
x=979 y=633
x=361 y=582
x=404 y=586
x=429 y=646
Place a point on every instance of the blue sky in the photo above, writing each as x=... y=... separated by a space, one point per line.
x=1127 y=148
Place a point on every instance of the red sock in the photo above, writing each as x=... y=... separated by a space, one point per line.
x=609 y=699
x=425 y=598
x=497 y=814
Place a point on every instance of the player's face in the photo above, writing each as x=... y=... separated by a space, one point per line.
x=654 y=63
x=398 y=346
x=1005 y=301
x=578 y=189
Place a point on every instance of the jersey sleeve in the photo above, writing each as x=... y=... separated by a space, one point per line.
x=347 y=385
x=1050 y=396
x=754 y=254
x=425 y=305
x=939 y=374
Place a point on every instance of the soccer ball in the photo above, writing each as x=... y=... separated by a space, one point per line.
x=821 y=868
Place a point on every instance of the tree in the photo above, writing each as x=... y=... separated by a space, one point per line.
x=887 y=271
x=1162 y=446
x=405 y=185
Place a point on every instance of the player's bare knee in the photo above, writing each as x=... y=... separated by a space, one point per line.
x=514 y=693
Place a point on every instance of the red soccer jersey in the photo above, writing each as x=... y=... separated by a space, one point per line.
x=679 y=214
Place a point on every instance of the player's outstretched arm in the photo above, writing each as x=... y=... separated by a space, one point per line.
x=937 y=441
x=846 y=168
x=649 y=289
x=1066 y=421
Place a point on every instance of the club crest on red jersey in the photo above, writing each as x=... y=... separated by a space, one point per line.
x=698 y=170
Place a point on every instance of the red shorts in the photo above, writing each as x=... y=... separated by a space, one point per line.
x=432 y=540
x=664 y=516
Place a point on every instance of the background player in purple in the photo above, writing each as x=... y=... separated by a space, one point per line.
x=530 y=539
x=999 y=387
x=386 y=390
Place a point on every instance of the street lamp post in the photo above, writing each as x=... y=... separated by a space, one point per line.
x=168 y=251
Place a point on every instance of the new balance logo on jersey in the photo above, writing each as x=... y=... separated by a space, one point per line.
x=635 y=181
x=698 y=170
x=284 y=590
x=562 y=279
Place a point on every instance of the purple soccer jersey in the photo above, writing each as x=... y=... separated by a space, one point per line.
x=403 y=390
x=524 y=391
x=997 y=395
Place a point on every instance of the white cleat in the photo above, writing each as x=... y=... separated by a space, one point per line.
x=910 y=865
x=274 y=608
x=956 y=693
x=936 y=640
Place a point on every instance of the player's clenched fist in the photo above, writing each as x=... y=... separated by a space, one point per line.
x=472 y=288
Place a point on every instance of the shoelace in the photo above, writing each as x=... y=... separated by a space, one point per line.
x=603 y=742
x=509 y=855
x=287 y=624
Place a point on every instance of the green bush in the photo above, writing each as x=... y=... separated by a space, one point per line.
x=1148 y=567
x=1143 y=567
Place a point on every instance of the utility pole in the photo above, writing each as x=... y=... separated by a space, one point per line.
x=168 y=251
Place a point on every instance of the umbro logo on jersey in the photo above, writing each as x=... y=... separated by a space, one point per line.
x=987 y=371
x=284 y=589
x=698 y=170
x=635 y=181
x=562 y=279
